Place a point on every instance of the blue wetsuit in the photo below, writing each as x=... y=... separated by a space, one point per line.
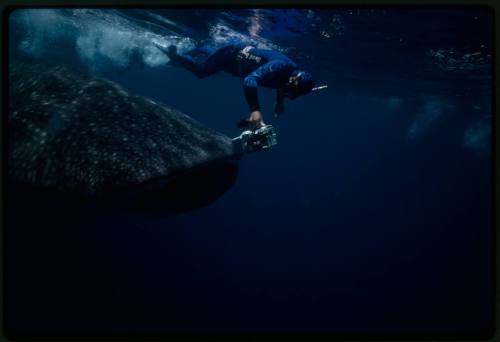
x=257 y=67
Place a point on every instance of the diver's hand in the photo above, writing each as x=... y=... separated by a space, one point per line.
x=279 y=108
x=256 y=116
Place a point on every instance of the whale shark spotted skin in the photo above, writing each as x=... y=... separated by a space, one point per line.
x=77 y=134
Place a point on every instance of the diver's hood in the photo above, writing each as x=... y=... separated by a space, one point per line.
x=303 y=82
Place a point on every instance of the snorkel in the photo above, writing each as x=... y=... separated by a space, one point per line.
x=291 y=92
x=320 y=87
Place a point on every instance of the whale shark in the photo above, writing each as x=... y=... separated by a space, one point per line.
x=72 y=135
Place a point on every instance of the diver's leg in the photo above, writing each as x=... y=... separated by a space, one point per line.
x=211 y=65
x=204 y=49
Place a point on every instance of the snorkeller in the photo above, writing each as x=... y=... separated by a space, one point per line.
x=257 y=67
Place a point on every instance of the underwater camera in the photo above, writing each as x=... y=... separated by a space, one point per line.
x=252 y=141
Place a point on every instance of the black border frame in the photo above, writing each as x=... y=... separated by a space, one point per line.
x=490 y=5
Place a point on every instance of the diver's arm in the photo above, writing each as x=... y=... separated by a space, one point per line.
x=251 y=94
x=269 y=74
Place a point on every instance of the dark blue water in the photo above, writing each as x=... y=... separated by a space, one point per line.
x=372 y=215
